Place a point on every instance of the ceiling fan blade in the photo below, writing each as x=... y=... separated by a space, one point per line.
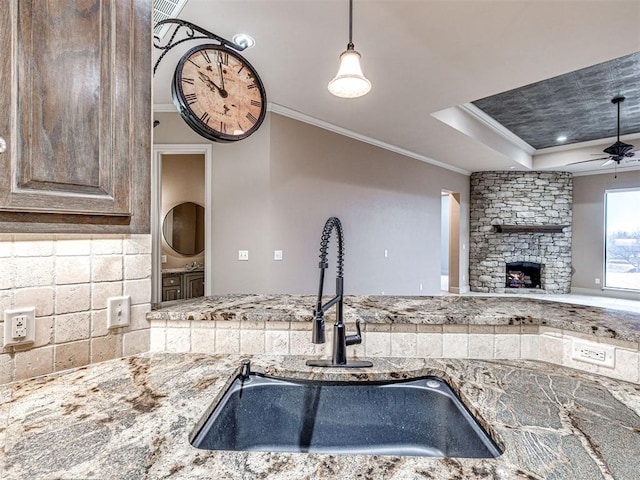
x=587 y=161
x=608 y=162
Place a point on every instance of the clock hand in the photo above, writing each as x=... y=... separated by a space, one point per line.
x=221 y=76
x=210 y=83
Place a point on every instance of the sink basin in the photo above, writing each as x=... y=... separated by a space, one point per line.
x=419 y=417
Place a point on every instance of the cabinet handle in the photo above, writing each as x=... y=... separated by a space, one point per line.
x=3 y=145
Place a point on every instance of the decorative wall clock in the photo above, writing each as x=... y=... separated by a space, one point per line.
x=216 y=90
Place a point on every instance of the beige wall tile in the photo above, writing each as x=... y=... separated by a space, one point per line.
x=137 y=244
x=44 y=331
x=40 y=297
x=100 y=292
x=72 y=270
x=252 y=325
x=550 y=332
x=404 y=344
x=71 y=355
x=33 y=271
x=481 y=345
x=429 y=345
x=227 y=324
x=455 y=328
x=6 y=368
x=178 y=339
x=425 y=328
x=99 y=323
x=136 y=342
x=227 y=341
x=139 y=317
x=34 y=362
x=455 y=345
x=7 y=269
x=529 y=347
x=550 y=349
x=137 y=266
x=73 y=247
x=278 y=325
x=507 y=346
x=276 y=342
x=377 y=327
x=158 y=339
x=252 y=341
x=203 y=340
x=626 y=367
x=138 y=290
x=106 y=348
x=481 y=329
x=106 y=268
x=305 y=326
x=377 y=344
x=301 y=343
x=73 y=298
x=74 y=326
x=30 y=246
x=507 y=329
x=103 y=245
x=403 y=328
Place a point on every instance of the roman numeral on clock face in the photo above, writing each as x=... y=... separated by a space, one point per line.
x=191 y=98
x=256 y=103
x=251 y=118
x=188 y=81
x=205 y=117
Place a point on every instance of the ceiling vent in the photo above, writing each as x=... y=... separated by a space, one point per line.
x=163 y=9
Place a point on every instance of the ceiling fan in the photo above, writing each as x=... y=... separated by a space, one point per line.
x=619 y=151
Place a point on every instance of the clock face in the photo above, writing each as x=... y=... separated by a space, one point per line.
x=218 y=93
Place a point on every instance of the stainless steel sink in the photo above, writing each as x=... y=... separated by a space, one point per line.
x=421 y=417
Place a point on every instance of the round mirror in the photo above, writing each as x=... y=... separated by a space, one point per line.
x=183 y=228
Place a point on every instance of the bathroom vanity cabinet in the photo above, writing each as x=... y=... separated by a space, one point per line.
x=182 y=285
x=76 y=122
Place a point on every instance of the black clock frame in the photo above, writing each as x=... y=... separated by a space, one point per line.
x=192 y=119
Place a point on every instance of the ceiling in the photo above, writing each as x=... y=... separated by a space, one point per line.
x=428 y=60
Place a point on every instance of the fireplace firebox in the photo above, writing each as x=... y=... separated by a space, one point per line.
x=523 y=275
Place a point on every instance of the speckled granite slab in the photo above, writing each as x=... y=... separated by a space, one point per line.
x=131 y=419
x=467 y=310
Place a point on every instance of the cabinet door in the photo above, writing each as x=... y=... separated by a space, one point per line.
x=193 y=285
x=76 y=78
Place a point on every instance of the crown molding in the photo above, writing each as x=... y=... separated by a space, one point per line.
x=288 y=112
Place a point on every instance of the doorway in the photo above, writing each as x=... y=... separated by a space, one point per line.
x=181 y=222
x=450 y=242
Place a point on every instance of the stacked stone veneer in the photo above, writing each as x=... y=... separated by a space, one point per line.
x=519 y=198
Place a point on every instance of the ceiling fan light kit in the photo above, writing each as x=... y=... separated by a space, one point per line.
x=349 y=82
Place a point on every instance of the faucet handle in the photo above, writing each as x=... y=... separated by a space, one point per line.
x=354 y=339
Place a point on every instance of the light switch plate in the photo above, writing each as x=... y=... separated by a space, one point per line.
x=118 y=311
x=19 y=326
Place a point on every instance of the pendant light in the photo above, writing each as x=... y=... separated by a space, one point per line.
x=349 y=82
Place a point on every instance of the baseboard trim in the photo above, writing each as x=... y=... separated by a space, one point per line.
x=600 y=292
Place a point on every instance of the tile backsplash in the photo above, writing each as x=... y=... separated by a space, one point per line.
x=68 y=278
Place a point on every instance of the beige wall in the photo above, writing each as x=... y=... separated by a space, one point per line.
x=182 y=181
x=276 y=189
x=588 y=224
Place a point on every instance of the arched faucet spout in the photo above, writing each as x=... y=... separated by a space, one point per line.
x=340 y=339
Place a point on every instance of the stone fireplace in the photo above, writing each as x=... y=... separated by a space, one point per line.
x=520 y=232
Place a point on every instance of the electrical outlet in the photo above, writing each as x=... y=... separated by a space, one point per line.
x=277 y=254
x=118 y=311
x=597 y=281
x=243 y=255
x=595 y=353
x=19 y=326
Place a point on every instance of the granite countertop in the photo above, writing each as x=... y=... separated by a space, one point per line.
x=470 y=310
x=131 y=419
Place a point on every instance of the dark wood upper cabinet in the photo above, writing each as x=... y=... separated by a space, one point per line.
x=75 y=105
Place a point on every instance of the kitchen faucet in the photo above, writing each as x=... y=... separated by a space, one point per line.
x=340 y=339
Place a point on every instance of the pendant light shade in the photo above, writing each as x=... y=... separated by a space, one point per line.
x=349 y=81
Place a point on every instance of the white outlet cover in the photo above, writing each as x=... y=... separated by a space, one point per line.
x=277 y=254
x=29 y=323
x=596 y=353
x=243 y=255
x=118 y=311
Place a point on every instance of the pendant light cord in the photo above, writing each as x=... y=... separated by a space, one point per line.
x=350 y=45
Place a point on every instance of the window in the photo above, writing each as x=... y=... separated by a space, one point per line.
x=622 y=241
